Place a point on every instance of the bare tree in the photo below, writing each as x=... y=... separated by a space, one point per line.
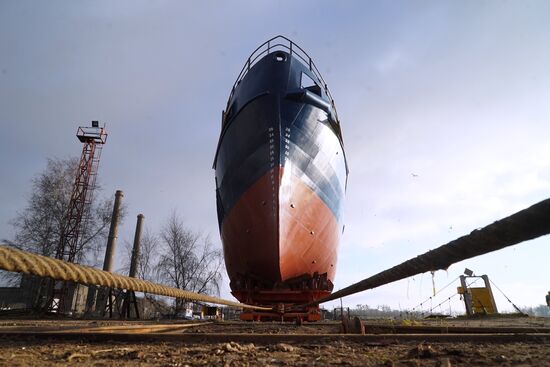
x=149 y=244
x=39 y=225
x=188 y=260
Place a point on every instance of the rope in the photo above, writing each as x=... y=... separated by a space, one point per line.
x=524 y=225
x=42 y=266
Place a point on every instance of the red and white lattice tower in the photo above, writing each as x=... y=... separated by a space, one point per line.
x=92 y=138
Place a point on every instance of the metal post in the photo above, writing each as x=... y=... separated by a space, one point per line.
x=137 y=247
x=113 y=232
x=488 y=286
x=467 y=296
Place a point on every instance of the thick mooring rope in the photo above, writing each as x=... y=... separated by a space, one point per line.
x=524 y=225
x=43 y=266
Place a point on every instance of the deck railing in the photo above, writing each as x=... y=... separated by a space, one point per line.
x=282 y=43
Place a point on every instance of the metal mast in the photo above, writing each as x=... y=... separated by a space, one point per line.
x=70 y=242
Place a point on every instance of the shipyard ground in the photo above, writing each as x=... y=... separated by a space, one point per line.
x=480 y=342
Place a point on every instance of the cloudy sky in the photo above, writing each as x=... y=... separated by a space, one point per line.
x=444 y=108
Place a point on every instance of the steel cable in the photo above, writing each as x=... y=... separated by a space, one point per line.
x=508 y=299
x=451 y=297
x=42 y=266
x=436 y=293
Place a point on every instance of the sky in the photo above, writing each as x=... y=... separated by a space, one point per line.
x=443 y=106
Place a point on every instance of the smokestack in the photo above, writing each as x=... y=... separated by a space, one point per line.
x=113 y=232
x=137 y=247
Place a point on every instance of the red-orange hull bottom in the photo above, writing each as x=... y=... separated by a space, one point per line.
x=280 y=242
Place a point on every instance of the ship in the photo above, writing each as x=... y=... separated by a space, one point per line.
x=281 y=175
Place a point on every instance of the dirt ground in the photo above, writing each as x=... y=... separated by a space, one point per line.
x=30 y=351
x=55 y=353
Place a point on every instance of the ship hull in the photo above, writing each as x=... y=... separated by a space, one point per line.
x=280 y=178
x=296 y=252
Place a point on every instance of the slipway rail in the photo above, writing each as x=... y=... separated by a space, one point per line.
x=43 y=266
x=258 y=333
x=524 y=225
